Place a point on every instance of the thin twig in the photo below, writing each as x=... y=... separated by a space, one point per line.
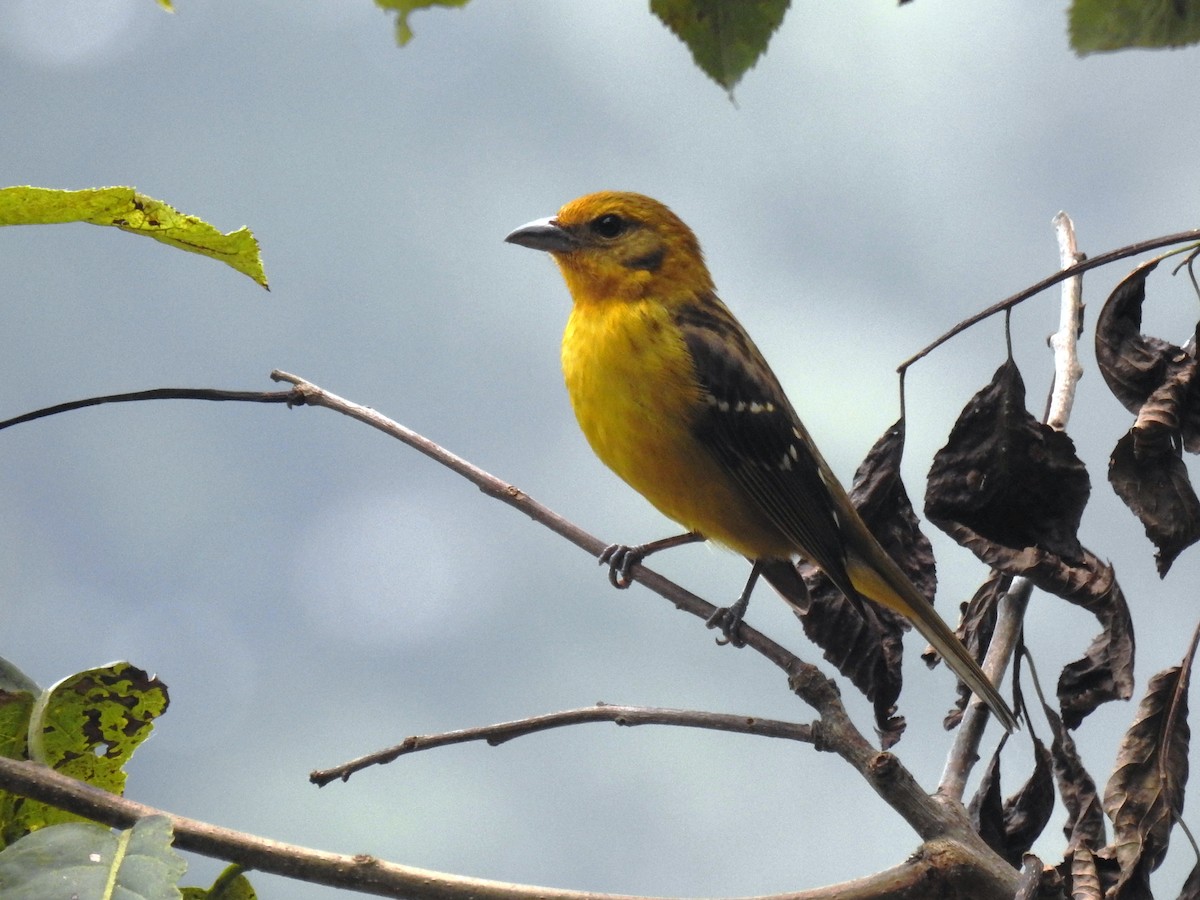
x=1071 y=271
x=602 y=712
x=1010 y=618
x=154 y=394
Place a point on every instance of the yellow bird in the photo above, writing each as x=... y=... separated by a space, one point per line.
x=676 y=399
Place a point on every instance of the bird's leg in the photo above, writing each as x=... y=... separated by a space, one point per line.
x=621 y=558
x=729 y=618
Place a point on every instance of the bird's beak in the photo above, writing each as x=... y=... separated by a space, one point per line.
x=544 y=234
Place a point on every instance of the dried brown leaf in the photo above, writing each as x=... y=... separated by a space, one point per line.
x=1011 y=826
x=1133 y=364
x=1160 y=383
x=1145 y=791
x=1149 y=476
x=1007 y=478
x=975 y=631
x=864 y=641
x=1191 y=887
x=1085 y=817
x=1028 y=810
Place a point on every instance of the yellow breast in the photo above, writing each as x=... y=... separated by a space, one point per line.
x=632 y=386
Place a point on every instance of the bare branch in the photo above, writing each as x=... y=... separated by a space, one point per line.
x=153 y=394
x=602 y=712
x=1010 y=618
x=950 y=864
x=1079 y=268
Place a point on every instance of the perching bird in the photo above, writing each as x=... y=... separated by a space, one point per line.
x=676 y=399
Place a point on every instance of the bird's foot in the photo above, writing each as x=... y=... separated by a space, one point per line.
x=728 y=619
x=620 y=558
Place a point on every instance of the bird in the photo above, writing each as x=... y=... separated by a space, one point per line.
x=673 y=396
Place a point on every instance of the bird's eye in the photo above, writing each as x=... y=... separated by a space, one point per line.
x=609 y=225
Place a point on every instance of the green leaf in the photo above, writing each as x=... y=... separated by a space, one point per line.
x=86 y=726
x=13 y=679
x=88 y=860
x=1101 y=25
x=726 y=39
x=230 y=885
x=403 y=8
x=125 y=208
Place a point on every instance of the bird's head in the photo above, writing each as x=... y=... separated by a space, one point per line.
x=616 y=246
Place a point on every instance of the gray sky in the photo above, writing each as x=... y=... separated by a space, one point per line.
x=311 y=591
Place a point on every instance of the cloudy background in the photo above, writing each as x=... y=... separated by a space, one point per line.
x=311 y=591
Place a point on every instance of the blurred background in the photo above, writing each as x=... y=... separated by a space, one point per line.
x=311 y=591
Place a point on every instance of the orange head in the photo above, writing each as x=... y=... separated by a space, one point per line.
x=618 y=246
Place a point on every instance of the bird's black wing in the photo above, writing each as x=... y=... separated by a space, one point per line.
x=753 y=431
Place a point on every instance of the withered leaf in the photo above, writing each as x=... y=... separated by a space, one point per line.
x=986 y=808
x=1085 y=818
x=1011 y=826
x=1191 y=887
x=1135 y=365
x=1028 y=810
x=1106 y=670
x=864 y=640
x=1088 y=874
x=1160 y=382
x=975 y=631
x=1149 y=476
x=1007 y=478
x=1146 y=789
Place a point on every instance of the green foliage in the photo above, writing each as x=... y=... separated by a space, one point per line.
x=403 y=8
x=124 y=208
x=87 y=860
x=230 y=885
x=726 y=39
x=86 y=726
x=1100 y=25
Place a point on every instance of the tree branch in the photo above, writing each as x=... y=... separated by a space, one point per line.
x=1010 y=619
x=1069 y=271
x=948 y=864
x=932 y=818
x=503 y=732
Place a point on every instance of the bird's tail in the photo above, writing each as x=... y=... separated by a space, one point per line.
x=880 y=579
x=782 y=575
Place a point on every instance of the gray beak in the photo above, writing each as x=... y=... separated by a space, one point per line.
x=544 y=234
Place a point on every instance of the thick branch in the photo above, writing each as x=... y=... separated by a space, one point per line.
x=953 y=868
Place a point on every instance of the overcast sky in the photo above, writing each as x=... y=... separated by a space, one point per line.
x=311 y=591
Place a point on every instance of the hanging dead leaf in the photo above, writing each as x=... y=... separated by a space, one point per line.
x=1145 y=792
x=1085 y=817
x=1133 y=364
x=864 y=641
x=1028 y=810
x=975 y=630
x=1011 y=826
x=1160 y=383
x=1006 y=477
x=1149 y=476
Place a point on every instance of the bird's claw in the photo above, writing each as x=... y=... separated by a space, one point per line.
x=620 y=559
x=728 y=619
